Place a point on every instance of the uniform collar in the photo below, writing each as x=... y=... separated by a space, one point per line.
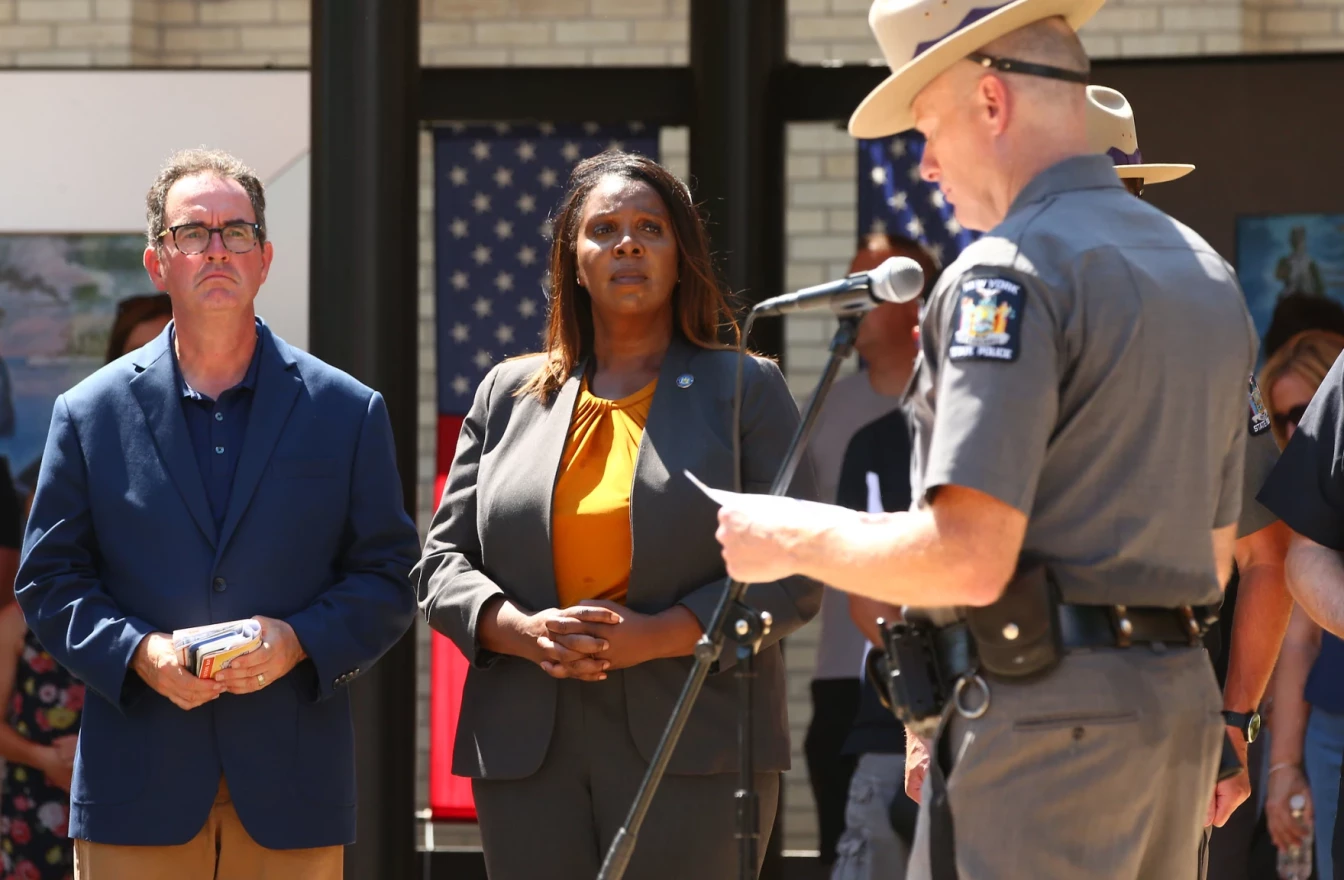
x=1074 y=173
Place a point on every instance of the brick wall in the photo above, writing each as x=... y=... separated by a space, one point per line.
x=821 y=158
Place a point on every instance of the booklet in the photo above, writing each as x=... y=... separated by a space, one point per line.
x=205 y=650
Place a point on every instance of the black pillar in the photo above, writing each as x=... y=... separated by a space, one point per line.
x=737 y=145
x=363 y=319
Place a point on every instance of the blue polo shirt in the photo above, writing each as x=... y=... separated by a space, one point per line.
x=217 y=428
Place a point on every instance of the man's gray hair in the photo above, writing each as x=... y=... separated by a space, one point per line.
x=201 y=161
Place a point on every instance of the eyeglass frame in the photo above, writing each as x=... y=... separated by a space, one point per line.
x=212 y=230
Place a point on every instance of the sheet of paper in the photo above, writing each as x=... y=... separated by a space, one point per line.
x=750 y=503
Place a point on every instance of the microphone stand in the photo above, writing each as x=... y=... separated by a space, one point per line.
x=746 y=627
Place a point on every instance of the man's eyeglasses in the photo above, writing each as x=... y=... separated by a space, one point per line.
x=1292 y=417
x=194 y=238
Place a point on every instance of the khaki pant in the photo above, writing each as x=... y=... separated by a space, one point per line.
x=1101 y=770
x=223 y=850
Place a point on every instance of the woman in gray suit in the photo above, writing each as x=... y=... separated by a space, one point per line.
x=575 y=566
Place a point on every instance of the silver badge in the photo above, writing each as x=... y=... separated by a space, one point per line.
x=685 y=380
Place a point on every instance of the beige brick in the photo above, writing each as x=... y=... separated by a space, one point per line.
x=513 y=33
x=1205 y=19
x=591 y=33
x=177 y=12
x=670 y=31
x=55 y=58
x=145 y=38
x=293 y=11
x=198 y=40
x=803 y=167
x=470 y=9
x=804 y=54
x=237 y=12
x=631 y=56
x=801 y=274
x=678 y=56
x=817 y=29
x=55 y=10
x=1298 y=22
x=113 y=10
x=817 y=137
x=1322 y=43
x=852 y=7
x=801 y=220
x=807 y=7
x=675 y=140
x=1159 y=45
x=826 y=194
x=629 y=8
x=1100 y=45
x=855 y=53
x=292 y=59
x=93 y=36
x=238 y=59
x=550 y=57
x=113 y=58
x=276 y=38
x=550 y=8
x=845 y=220
x=1121 y=19
x=6 y=10
x=844 y=166
x=683 y=7
x=435 y=34
x=471 y=57
x=179 y=59
x=1339 y=21
x=1223 y=44
x=27 y=36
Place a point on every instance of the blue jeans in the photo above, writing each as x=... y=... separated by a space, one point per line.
x=1322 y=754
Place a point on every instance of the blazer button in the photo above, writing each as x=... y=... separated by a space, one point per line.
x=221 y=585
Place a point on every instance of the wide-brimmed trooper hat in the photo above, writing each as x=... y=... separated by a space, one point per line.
x=1110 y=130
x=922 y=38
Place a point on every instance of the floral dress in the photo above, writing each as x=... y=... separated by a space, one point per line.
x=34 y=814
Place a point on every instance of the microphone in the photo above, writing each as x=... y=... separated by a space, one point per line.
x=898 y=280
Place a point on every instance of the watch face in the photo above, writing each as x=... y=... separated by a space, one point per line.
x=1253 y=727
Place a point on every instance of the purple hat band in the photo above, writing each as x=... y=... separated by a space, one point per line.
x=1120 y=157
x=971 y=18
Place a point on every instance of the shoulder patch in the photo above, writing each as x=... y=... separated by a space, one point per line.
x=987 y=319
x=1259 y=415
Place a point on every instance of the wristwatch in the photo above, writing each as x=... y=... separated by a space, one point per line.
x=1247 y=722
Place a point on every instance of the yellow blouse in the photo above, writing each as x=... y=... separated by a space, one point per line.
x=590 y=515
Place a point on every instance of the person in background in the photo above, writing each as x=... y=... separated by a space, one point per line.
x=875 y=478
x=854 y=400
x=43 y=703
x=1307 y=698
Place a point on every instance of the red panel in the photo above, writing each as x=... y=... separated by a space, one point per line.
x=449 y=796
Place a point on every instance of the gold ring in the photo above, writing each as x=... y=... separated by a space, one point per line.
x=261 y=679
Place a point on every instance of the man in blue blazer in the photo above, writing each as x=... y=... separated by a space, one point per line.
x=216 y=474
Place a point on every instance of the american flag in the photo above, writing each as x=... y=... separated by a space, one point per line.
x=893 y=198
x=496 y=188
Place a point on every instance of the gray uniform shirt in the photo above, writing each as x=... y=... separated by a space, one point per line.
x=1262 y=453
x=1086 y=362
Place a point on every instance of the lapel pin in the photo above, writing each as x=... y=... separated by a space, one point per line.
x=685 y=380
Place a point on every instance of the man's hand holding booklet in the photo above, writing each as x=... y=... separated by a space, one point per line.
x=205 y=650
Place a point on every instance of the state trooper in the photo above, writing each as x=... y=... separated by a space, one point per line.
x=1258 y=605
x=1079 y=406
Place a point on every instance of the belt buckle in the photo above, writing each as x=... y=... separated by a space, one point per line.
x=1122 y=625
x=1191 y=625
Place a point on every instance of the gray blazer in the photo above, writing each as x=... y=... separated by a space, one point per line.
x=491 y=536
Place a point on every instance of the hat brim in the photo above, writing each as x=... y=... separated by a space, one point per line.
x=1155 y=173
x=887 y=109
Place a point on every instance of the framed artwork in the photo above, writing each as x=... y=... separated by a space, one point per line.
x=58 y=299
x=1292 y=257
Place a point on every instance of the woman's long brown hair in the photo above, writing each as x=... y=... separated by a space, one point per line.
x=702 y=312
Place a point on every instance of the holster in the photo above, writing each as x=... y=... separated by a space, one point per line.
x=1019 y=635
x=919 y=669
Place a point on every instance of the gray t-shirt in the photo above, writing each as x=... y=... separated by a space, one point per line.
x=1086 y=362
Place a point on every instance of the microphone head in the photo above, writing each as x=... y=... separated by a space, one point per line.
x=897 y=280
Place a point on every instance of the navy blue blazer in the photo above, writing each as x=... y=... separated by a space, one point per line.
x=121 y=543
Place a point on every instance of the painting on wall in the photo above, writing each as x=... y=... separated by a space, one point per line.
x=58 y=299
x=1290 y=261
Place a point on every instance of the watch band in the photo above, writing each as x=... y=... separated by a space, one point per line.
x=1247 y=722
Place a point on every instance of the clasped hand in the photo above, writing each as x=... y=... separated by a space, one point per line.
x=587 y=640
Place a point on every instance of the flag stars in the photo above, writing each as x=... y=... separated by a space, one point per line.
x=459 y=228
x=501 y=128
x=503 y=282
x=546 y=128
x=482 y=307
x=480 y=151
x=545 y=229
x=503 y=229
x=460 y=280
x=591 y=128
x=879 y=226
x=481 y=202
x=483 y=359
x=504 y=334
x=879 y=175
x=461 y=386
x=526 y=152
x=458 y=175
x=527 y=203
x=527 y=255
x=548 y=178
x=898 y=200
x=481 y=255
x=527 y=308
x=936 y=198
x=503 y=177
x=898 y=148
x=913 y=174
x=953 y=226
x=615 y=145
x=461 y=333
x=570 y=151
x=914 y=227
